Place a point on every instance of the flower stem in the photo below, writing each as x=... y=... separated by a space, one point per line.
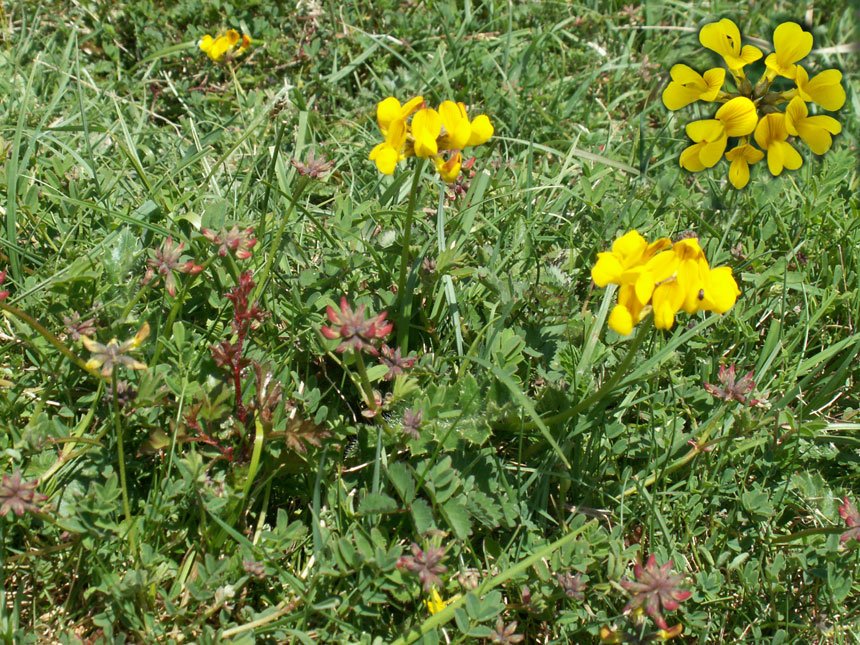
x=126 y=507
x=404 y=301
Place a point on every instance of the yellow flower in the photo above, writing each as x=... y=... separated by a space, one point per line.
x=663 y=282
x=736 y=118
x=814 y=130
x=435 y=604
x=825 y=88
x=215 y=48
x=688 y=86
x=429 y=133
x=724 y=38
x=771 y=135
x=741 y=157
x=391 y=118
x=790 y=44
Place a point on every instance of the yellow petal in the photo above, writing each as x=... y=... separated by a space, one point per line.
x=794 y=112
x=206 y=43
x=449 y=170
x=631 y=246
x=738 y=116
x=457 y=127
x=816 y=131
x=426 y=127
x=791 y=157
x=482 y=130
x=721 y=37
x=690 y=157
x=662 y=266
x=387 y=111
x=790 y=44
x=775 y=160
x=705 y=130
x=644 y=286
x=825 y=88
x=385 y=157
x=607 y=269
x=750 y=54
x=666 y=301
x=714 y=79
x=712 y=152
x=677 y=96
x=770 y=129
x=739 y=172
x=411 y=106
x=621 y=320
x=721 y=291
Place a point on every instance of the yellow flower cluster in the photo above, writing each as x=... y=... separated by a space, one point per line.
x=428 y=134
x=664 y=278
x=215 y=48
x=752 y=110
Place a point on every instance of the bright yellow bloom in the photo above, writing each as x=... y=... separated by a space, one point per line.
x=790 y=44
x=825 y=88
x=215 y=48
x=688 y=86
x=724 y=37
x=814 y=130
x=435 y=604
x=741 y=157
x=391 y=118
x=771 y=135
x=662 y=281
x=429 y=133
x=737 y=118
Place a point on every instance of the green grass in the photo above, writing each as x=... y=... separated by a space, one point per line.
x=117 y=132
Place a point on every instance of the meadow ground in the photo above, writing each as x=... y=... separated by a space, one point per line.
x=250 y=462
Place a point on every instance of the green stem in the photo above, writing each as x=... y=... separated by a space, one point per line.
x=404 y=303
x=605 y=389
x=273 y=250
x=48 y=336
x=121 y=458
x=259 y=439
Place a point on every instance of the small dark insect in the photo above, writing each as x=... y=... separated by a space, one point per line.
x=701 y=294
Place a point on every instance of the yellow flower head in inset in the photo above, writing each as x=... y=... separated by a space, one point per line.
x=754 y=109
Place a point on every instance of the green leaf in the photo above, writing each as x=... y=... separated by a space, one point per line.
x=458 y=518
x=377 y=503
